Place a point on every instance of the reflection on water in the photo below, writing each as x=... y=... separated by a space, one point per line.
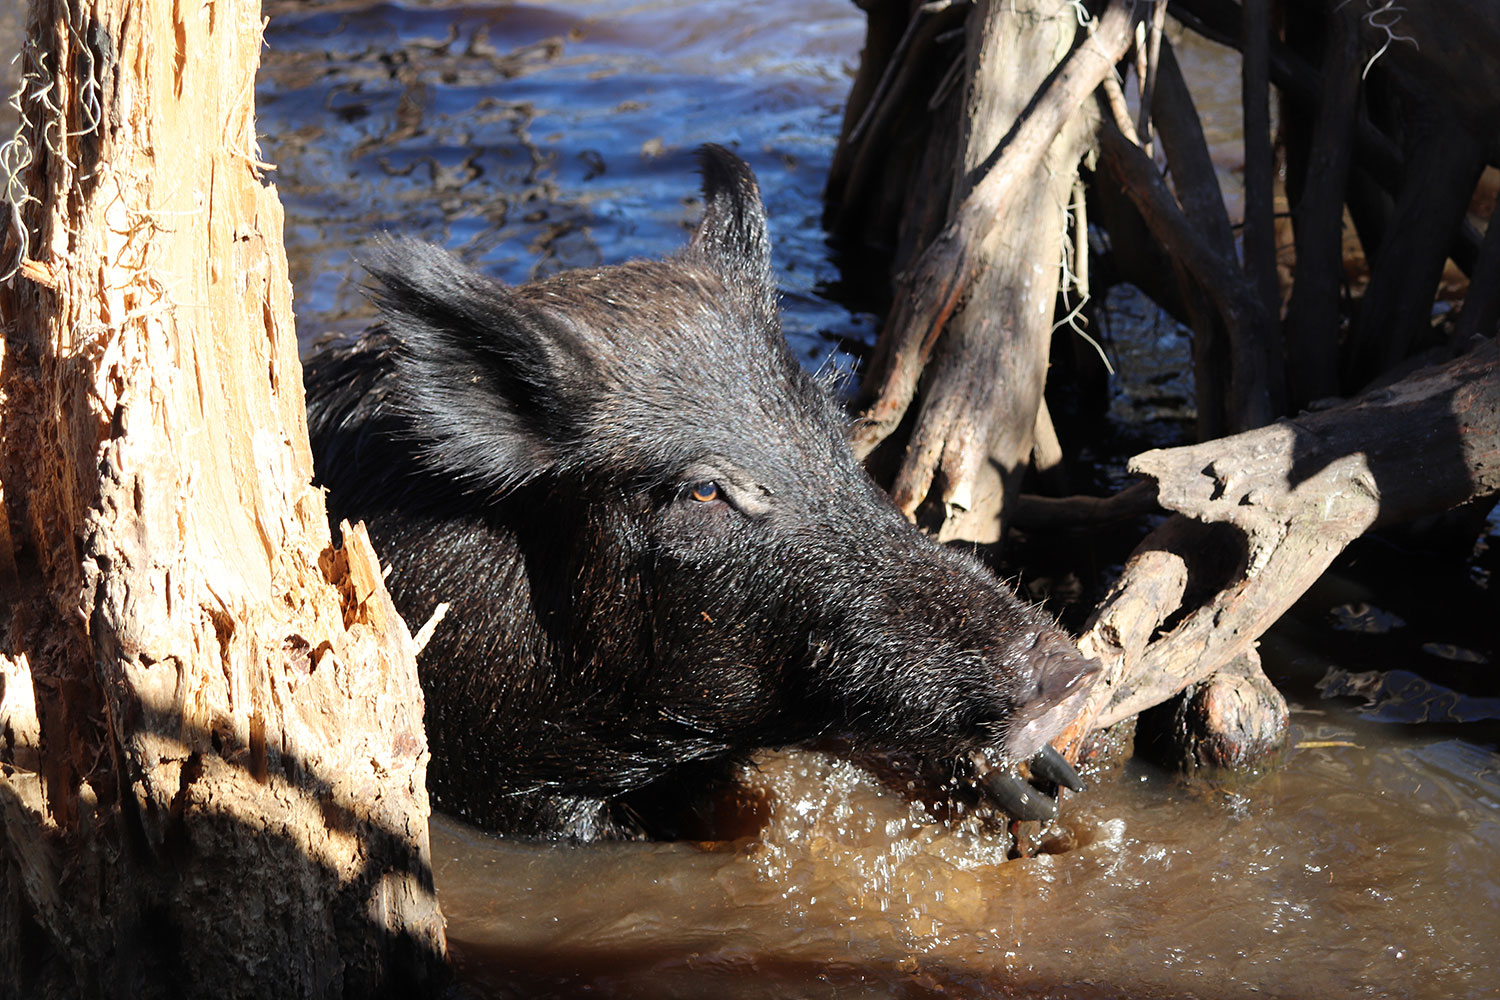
x=531 y=139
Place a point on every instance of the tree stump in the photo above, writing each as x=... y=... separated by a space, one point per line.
x=974 y=306
x=212 y=760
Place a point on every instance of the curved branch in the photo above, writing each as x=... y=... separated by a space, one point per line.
x=1295 y=494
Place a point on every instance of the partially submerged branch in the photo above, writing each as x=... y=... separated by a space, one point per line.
x=1278 y=504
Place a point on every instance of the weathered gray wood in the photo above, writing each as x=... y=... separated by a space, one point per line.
x=894 y=74
x=989 y=256
x=1275 y=506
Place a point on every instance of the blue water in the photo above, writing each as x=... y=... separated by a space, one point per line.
x=530 y=139
x=534 y=138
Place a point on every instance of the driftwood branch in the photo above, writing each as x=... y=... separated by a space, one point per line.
x=1452 y=50
x=1148 y=62
x=862 y=153
x=1235 y=719
x=1265 y=512
x=1188 y=158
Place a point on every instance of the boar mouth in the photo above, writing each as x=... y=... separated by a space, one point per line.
x=1060 y=676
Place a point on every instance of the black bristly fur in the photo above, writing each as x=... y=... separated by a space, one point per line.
x=530 y=454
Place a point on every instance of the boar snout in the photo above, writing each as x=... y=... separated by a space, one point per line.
x=1058 y=678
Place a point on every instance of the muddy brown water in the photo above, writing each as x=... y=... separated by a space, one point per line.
x=535 y=137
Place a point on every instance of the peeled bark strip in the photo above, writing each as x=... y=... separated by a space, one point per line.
x=1262 y=514
x=212 y=760
x=928 y=293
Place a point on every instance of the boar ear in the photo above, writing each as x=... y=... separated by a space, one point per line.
x=733 y=235
x=483 y=376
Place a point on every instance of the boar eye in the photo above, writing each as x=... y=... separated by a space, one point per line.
x=705 y=492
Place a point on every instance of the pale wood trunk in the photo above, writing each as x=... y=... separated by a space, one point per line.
x=976 y=304
x=212 y=759
x=973 y=436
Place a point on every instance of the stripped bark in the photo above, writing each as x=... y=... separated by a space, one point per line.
x=212 y=760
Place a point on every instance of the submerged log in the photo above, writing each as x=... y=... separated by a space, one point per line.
x=212 y=759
